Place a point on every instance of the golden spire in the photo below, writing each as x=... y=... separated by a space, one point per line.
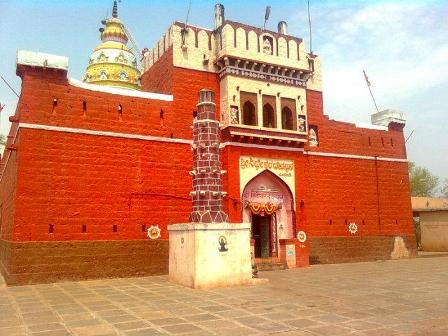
x=112 y=63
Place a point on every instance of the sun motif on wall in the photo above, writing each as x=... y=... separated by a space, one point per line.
x=154 y=232
x=353 y=228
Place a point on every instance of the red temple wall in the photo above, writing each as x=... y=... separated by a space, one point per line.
x=159 y=78
x=346 y=138
x=8 y=191
x=70 y=180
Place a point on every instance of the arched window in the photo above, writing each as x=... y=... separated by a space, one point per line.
x=287 y=119
x=249 y=117
x=268 y=116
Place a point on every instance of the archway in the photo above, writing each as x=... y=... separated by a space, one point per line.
x=268 y=116
x=268 y=206
x=249 y=116
x=287 y=119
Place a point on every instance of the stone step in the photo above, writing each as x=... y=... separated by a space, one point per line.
x=274 y=266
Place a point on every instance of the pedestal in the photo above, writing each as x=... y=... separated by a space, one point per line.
x=210 y=255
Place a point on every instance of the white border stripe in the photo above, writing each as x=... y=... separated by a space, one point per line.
x=241 y=144
x=359 y=157
x=119 y=91
x=188 y=142
x=346 y=156
x=105 y=133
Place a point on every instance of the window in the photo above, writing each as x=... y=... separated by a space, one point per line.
x=287 y=119
x=268 y=116
x=249 y=116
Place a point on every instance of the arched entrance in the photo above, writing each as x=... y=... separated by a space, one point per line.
x=268 y=206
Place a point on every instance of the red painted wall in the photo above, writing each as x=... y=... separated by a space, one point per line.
x=69 y=180
x=8 y=181
x=159 y=78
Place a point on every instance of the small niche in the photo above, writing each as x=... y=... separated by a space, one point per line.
x=331 y=222
x=363 y=221
x=171 y=135
x=391 y=142
x=114 y=228
x=370 y=141
x=396 y=221
x=84 y=108
x=143 y=228
x=50 y=228
x=382 y=141
x=195 y=114
x=346 y=222
x=84 y=228
x=120 y=111
x=55 y=105
x=161 y=115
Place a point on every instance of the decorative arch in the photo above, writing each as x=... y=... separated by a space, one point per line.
x=249 y=114
x=268 y=194
x=287 y=118
x=268 y=116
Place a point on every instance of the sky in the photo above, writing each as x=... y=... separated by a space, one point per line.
x=402 y=45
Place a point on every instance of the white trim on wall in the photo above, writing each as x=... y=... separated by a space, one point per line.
x=105 y=133
x=188 y=142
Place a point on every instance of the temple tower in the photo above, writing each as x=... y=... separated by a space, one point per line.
x=112 y=63
x=208 y=251
x=207 y=191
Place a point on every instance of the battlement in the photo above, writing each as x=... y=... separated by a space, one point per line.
x=272 y=54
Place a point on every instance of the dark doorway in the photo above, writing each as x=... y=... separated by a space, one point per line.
x=261 y=233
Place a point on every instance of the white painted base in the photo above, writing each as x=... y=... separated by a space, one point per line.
x=198 y=260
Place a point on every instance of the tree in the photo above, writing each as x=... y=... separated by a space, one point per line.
x=444 y=190
x=422 y=182
x=2 y=139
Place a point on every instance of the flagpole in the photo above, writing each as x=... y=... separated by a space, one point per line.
x=370 y=90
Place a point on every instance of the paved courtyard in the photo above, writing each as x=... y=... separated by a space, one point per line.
x=405 y=297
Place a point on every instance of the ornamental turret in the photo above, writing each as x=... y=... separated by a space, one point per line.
x=112 y=63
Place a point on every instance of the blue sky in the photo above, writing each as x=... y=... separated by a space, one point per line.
x=403 y=46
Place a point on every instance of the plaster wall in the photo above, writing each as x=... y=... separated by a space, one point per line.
x=434 y=230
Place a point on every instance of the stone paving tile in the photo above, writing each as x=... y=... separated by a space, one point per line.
x=185 y=328
x=330 y=318
x=131 y=325
x=393 y=298
x=59 y=332
x=46 y=327
x=13 y=331
x=167 y=321
x=331 y=330
x=201 y=317
x=94 y=330
x=144 y=332
x=303 y=323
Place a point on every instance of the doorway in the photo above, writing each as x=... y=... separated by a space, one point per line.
x=261 y=234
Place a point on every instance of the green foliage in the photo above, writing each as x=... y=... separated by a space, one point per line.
x=422 y=182
x=444 y=189
x=2 y=139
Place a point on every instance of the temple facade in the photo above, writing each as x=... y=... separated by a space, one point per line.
x=95 y=170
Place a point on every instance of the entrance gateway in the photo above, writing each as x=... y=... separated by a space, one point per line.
x=261 y=234
x=268 y=205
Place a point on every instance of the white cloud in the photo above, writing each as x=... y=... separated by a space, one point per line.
x=403 y=47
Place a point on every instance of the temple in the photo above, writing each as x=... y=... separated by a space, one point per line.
x=94 y=171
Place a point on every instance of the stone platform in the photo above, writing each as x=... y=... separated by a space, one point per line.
x=210 y=255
